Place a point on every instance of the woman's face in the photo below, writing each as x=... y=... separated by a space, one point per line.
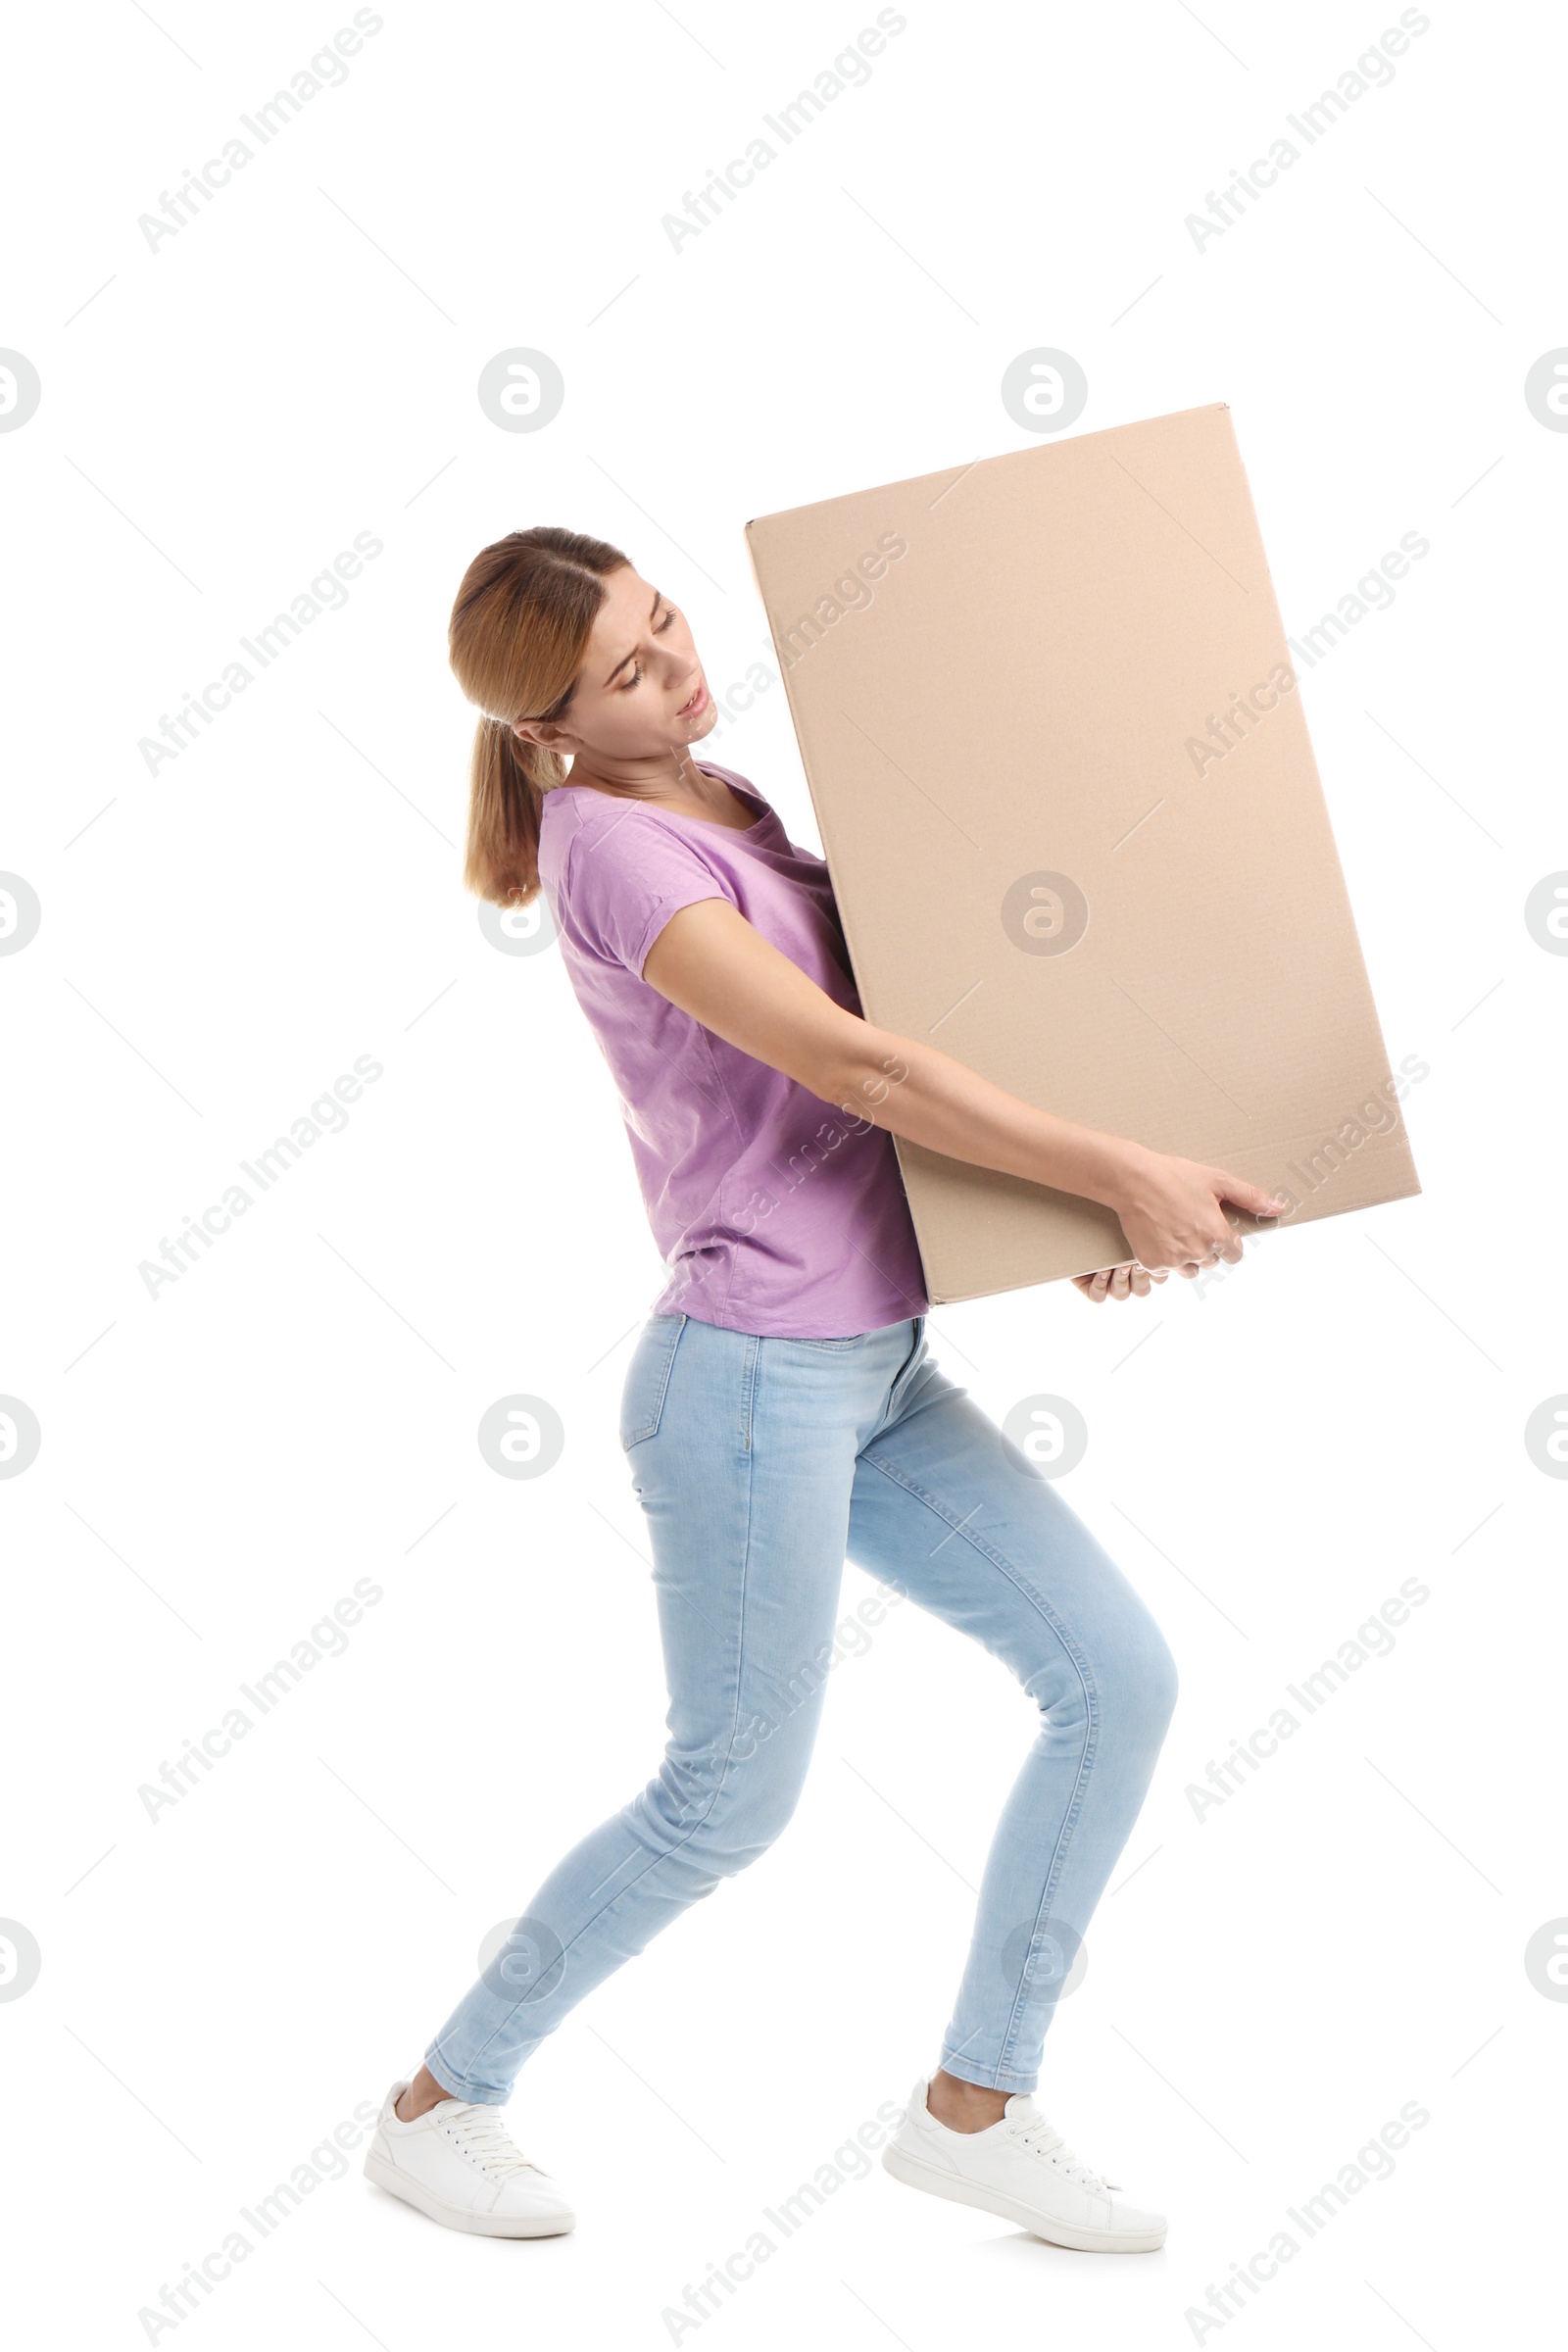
x=641 y=693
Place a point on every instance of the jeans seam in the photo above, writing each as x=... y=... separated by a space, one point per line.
x=749 y=1375
x=1086 y=1684
x=997 y=2078
x=899 y=1388
x=461 y=2090
x=650 y=1429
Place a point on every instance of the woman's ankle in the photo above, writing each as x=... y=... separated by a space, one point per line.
x=964 y=2106
x=422 y=2094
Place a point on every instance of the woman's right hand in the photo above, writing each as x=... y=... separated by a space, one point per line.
x=1170 y=1211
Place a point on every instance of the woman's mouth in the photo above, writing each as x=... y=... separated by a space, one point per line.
x=697 y=705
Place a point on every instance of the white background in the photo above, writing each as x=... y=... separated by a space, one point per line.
x=221 y=1987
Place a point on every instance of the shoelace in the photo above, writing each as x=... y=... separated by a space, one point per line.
x=1040 y=2141
x=484 y=2136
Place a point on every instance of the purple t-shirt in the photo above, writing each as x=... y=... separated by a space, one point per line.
x=774 y=1212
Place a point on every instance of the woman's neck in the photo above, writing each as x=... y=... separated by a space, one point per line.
x=681 y=786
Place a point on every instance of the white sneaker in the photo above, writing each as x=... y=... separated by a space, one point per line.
x=458 y=2164
x=1023 y=2169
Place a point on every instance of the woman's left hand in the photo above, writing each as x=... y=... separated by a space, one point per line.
x=1118 y=1281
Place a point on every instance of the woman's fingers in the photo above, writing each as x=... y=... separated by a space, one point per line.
x=1253 y=1198
x=1212 y=1249
x=1118 y=1281
x=1174 y=1214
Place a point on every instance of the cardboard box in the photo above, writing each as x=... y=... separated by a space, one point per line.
x=1048 y=715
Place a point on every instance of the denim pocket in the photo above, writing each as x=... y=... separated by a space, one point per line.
x=642 y=1399
x=832 y=1347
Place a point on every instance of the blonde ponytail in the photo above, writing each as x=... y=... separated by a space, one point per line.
x=519 y=633
x=507 y=779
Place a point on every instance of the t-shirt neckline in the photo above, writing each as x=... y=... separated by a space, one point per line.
x=708 y=824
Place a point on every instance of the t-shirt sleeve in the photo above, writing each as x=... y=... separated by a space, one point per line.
x=625 y=883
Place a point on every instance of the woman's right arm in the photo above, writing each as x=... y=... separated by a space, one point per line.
x=711 y=962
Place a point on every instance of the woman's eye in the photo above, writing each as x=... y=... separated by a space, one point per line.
x=636 y=678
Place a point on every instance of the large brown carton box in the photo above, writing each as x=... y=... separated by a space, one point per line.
x=1052 y=731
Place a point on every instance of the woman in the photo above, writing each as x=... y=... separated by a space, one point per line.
x=780 y=1410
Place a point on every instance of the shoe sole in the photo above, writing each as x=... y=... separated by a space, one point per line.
x=454 y=2217
x=916 y=2174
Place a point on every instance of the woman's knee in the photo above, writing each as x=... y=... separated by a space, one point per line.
x=728 y=1808
x=1161 y=1682
x=1138 y=1675
x=1123 y=1677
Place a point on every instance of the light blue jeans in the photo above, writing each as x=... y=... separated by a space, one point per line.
x=762 y=1464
